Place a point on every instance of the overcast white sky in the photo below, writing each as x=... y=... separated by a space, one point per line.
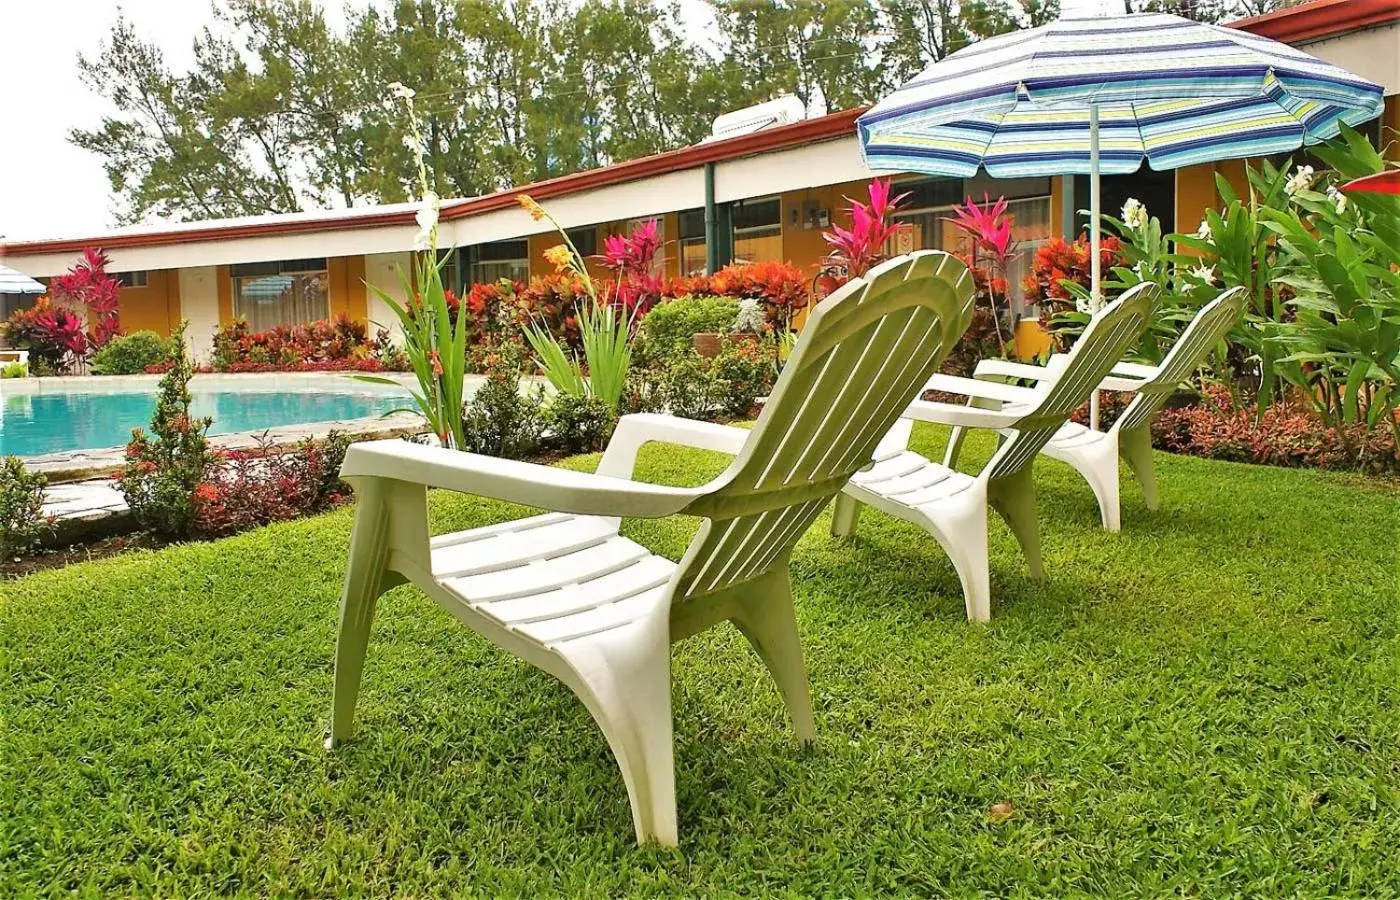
x=48 y=187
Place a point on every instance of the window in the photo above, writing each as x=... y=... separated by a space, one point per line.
x=585 y=240
x=287 y=292
x=447 y=268
x=692 y=241
x=929 y=228
x=501 y=259
x=136 y=279
x=758 y=230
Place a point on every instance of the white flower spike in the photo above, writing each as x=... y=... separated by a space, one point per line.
x=1300 y=180
x=1134 y=214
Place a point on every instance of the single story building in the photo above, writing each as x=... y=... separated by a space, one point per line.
x=765 y=195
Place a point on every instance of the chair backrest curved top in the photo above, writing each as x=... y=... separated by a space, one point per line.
x=1109 y=334
x=864 y=351
x=1205 y=330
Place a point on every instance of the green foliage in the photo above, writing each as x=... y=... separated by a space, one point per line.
x=578 y=424
x=669 y=327
x=1203 y=704
x=500 y=419
x=164 y=468
x=14 y=370
x=22 y=521
x=1338 y=259
x=131 y=354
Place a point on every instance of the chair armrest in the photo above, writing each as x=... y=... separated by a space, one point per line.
x=1135 y=370
x=1005 y=368
x=984 y=390
x=965 y=416
x=620 y=457
x=543 y=487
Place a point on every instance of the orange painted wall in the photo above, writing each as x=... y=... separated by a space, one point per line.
x=155 y=307
x=225 y=281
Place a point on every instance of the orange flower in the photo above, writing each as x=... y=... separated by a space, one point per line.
x=530 y=206
x=559 y=256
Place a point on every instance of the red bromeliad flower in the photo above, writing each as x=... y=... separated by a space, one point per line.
x=987 y=225
x=861 y=246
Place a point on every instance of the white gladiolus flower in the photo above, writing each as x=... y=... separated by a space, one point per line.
x=402 y=91
x=1205 y=273
x=1134 y=214
x=1338 y=199
x=1203 y=232
x=427 y=218
x=1300 y=180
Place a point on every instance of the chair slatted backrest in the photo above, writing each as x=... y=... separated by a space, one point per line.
x=1109 y=334
x=864 y=352
x=1205 y=331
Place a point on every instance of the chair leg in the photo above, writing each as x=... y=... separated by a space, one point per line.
x=628 y=694
x=845 y=513
x=1013 y=497
x=1098 y=463
x=1135 y=445
x=364 y=582
x=960 y=527
x=766 y=616
x=954 y=448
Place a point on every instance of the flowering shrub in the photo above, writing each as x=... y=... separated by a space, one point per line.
x=341 y=344
x=164 y=468
x=22 y=521
x=53 y=330
x=247 y=488
x=1282 y=434
x=990 y=249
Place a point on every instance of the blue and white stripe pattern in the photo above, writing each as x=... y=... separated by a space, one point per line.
x=14 y=282
x=1173 y=91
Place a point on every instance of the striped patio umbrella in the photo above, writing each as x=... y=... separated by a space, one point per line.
x=1096 y=95
x=15 y=282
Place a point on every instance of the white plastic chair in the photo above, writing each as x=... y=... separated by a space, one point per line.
x=1094 y=454
x=569 y=594
x=951 y=505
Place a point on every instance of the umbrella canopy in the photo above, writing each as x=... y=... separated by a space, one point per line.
x=13 y=282
x=1165 y=89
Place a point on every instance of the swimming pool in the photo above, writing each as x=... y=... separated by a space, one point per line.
x=38 y=423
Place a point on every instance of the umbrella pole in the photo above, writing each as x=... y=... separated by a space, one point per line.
x=1095 y=289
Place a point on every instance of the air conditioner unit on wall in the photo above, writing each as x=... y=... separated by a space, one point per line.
x=783 y=110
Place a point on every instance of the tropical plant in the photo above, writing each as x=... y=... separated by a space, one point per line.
x=23 y=524
x=1337 y=267
x=500 y=420
x=52 y=334
x=670 y=327
x=992 y=247
x=435 y=340
x=856 y=249
x=88 y=286
x=605 y=331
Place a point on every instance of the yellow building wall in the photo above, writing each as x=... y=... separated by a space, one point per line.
x=154 y=307
x=225 y=295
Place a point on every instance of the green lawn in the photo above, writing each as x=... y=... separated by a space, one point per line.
x=1207 y=703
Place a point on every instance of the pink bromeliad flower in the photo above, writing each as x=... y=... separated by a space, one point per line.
x=987 y=225
x=632 y=254
x=858 y=248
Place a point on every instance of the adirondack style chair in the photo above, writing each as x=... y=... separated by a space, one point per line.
x=569 y=594
x=1094 y=454
x=951 y=505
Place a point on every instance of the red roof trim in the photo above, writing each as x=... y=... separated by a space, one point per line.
x=809 y=131
x=1320 y=18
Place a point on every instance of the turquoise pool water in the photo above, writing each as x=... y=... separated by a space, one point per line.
x=49 y=423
